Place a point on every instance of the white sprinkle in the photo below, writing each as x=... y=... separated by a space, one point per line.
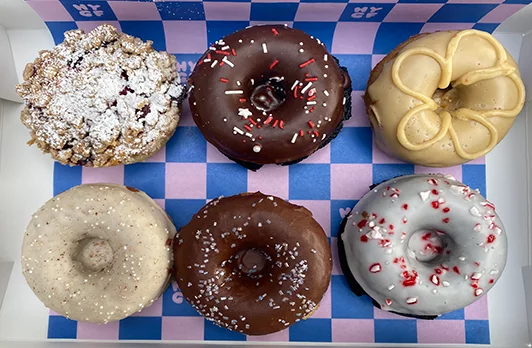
x=264 y=48
x=206 y=60
x=252 y=41
x=324 y=104
x=301 y=50
x=476 y=276
x=434 y=291
x=238 y=130
x=474 y=211
x=305 y=89
x=225 y=119
x=240 y=41
x=238 y=83
x=214 y=63
x=411 y=300
x=325 y=57
x=234 y=91
x=478 y=292
x=312 y=102
x=301 y=44
x=477 y=227
x=445 y=283
x=252 y=81
x=294 y=138
x=325 y=75
x=212 y=48
x=494 y=271
x=390 y=287
x=228 y=62
x=225 y=48
x=343 y=102
x=424 y=195
x=323 y=136
x=294 y=85
x=249 y=135
x=257 y=148
x=462 y=258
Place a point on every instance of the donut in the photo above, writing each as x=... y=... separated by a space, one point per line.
x=269 y=94
x=424 y=245
x=101 y=99
x=445 y=98
x=253 y=263
x=98 y=252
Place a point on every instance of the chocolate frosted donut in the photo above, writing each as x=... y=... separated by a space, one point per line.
x=253 y=263
x=269 y=94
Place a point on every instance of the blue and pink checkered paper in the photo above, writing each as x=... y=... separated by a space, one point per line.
x=189 y=172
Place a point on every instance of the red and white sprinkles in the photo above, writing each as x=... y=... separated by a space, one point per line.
x=305 y=90
x=448 y=254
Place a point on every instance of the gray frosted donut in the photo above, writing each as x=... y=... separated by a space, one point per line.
x=98 y=252
x=424 y=245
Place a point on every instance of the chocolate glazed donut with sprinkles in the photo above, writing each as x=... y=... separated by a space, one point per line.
x=252 y=263
x=269 y=94
x=423 y=245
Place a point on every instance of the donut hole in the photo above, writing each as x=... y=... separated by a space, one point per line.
x=447 y=99
x=428 y=246
x=94 y=254
x=268 y=95
x=252 y=262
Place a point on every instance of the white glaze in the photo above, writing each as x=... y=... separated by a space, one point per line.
x=98 y=252
x=476 y=244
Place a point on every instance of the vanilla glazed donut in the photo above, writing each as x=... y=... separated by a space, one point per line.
x=442 y=99
x=98 y=252
x=269 y=94
x=424 y=245
x=253 y=263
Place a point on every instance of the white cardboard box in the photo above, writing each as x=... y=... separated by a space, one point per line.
x=26 y=183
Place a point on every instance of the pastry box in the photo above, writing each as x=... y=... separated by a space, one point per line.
x=190 y=172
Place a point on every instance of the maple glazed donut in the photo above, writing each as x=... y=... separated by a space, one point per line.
x=253 y=263
x=98 y=252
x=445 y=98
x=424 y=245
x=269 y=94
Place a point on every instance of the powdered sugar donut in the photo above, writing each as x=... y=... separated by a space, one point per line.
x=98 y=252
x=424 y=245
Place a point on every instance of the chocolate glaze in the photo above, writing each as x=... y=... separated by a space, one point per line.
x=253 y=263
x=251 y=75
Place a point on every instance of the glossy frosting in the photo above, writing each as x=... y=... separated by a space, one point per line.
x=253 y=263
x=98 y=252
x=267 y=94
x=425 y=245
x=444 y=98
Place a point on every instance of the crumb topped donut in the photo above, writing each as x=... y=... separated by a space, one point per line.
x=424 y=245
x=101 y=99
x=445 y=98
x=253 y=263
x=98 y=252
x=269 y=94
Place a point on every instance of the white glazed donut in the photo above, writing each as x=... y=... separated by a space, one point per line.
x=98 y=252
x=424 y=245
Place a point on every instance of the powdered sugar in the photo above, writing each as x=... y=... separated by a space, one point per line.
x=101 y=98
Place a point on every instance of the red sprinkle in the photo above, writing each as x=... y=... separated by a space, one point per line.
x=275 y=123
x=281 y=124
x=274 y=64
x=391 y=227
x=364 y=239
x=295 y=91
x=252 y=121
x=491 y=281
x=260 y=137
x=382 y=221
x=275 y=32
x=435 y=204
x=426 y=236
x=268 y=120
x=310 y=61
x=405 y=206
x=362 y=223
x=434 y=191
x=242 y=100
x=446 y=210
x=225 y=53
x=312 y=97
x=310 y=124
x=410 y=279
x=444 y=267
x=248 y=128
x=476 y=264
x=438 y=271
x=446 y=220
x=456 y=270
x=301 y=133
x=316 y=133
x=435 y=279
x=388 y=302
x=311 y=79
x=234 y=52
x=224 y=80
x=221 y=63
x=491 y=239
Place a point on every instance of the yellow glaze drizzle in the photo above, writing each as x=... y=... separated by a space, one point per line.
x=501 y=68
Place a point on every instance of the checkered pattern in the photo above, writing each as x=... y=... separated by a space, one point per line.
x=189 y=172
